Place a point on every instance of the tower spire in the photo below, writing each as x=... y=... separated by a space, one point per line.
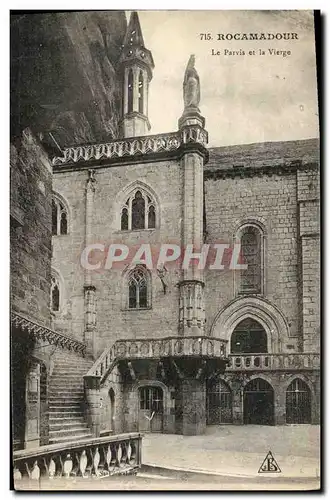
x=136 y=64
x=133 y=34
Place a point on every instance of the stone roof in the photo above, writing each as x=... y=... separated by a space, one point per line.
x=263 y=154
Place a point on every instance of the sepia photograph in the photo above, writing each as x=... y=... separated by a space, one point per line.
x=165 y=250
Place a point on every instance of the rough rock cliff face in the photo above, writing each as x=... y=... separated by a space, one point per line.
x=63 y=75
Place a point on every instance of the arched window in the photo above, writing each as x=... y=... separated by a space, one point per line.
x=251 y=279
x=138 y=212
x=249 y=337
x=55 y=294
x=59 y=218
x=130 y=91
x=139 y=288
x=141 y=84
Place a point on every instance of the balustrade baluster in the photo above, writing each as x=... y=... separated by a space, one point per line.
x=133 y=453
x=96 y=460
x=83 y=461
x=67 y=465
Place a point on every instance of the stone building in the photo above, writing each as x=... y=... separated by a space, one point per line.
x=173 y=348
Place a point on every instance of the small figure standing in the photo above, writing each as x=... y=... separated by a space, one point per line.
x=191 y=86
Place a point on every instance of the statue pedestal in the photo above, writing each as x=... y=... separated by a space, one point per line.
x=191 y=116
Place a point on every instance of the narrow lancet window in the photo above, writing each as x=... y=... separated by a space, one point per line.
x=141 y=89
x=130 y=91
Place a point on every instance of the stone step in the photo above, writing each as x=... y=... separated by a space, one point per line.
x=66 y=420
x=65 y=413
x=70 y=426
x=60 y=404
x=66 y=381
x=77 y=437
x=68 y=392
x=67 y=388
x=65 y=404
x=67 y=396
x=68 y=434
x=69 y=369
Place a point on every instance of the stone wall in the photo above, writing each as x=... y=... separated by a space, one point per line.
x=30 y=205
x=114 y=320
x=270 y=201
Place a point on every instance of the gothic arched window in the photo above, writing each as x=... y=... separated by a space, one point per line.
x=251 y=278
x=55 y=294
x=248 y=337
x=139 y=288
x=59 y=218
x=130 y=91
x=141 y=84
x=138 y=212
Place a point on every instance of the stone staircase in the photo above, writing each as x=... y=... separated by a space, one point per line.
x=66 y=398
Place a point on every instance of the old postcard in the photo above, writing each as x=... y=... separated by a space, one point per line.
x=165 y=322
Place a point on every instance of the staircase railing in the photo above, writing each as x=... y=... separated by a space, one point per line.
x=45 y=334
x=156 y=348
x=94 y=457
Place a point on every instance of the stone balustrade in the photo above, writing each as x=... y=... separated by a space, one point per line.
x=95 y=457
x=133 y=146
x=279 y=361
x=157 y=348
x=44 y=334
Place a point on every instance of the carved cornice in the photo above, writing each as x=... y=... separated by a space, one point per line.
x=135 y=149
x=46 y=334
x=249 y=171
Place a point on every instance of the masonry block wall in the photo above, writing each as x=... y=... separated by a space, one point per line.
x=30 y=205
x=113 y=319
x=272 y=202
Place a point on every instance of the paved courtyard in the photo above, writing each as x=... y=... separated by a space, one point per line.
x=239 y=450
x=233 y=454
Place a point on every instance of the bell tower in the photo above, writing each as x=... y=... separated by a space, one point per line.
x=136 y=64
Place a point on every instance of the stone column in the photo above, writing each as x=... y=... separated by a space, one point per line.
x=193 y=401
x=192 y=310
x=279 y=401
x=93 y=403
x=89 y=288
x=238 y=401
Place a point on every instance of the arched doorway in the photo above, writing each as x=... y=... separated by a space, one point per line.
x=112 y=408
x=219 y=403
x=258 y=403
x=298 y=403
x=151 y=409
x=248 y=337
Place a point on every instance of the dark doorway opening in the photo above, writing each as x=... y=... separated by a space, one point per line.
x=219 y=403
x=298 y=403
x=151 y=409
x=258 y=403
